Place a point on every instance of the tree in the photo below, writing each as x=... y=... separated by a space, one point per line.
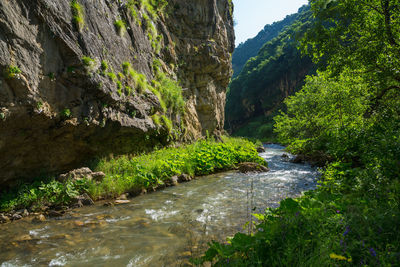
x=359 y=34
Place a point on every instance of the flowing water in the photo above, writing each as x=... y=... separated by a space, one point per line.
x=164 y=228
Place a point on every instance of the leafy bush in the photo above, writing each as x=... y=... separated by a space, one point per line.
x=126 y=174
x=320 y=229
x=47 y=192
x=12 y=71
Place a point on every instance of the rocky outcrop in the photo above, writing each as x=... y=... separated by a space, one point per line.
x=71 y=85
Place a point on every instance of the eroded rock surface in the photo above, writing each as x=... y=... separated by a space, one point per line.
x=56 y=112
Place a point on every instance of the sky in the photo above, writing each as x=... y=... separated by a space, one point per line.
x=252 y=15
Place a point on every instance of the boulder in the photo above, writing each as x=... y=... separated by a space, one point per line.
x=54 y=213
x=82 y=200
x=39 y=218
x=260 y=149
x=298 y=159
x=119 y=202
x=285 y=157
x=4 y=218
x=184 y=178
x=82 y=173
x=246 y=167
x=16 y=217
x=123 y=197
x=173 y=181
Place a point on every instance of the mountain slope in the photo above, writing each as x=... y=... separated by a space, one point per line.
x=250 y=47
x=266 y=80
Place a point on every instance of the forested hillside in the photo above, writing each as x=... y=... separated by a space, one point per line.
x=250 y=48
x=266 y=80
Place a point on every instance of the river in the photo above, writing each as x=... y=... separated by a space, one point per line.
x=164 y=228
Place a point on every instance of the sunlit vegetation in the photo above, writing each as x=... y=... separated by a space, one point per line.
x=277 y=71
x=348 y=117
x=11 y=72
x=135 y=173
x=120 y=26
x=77 y=14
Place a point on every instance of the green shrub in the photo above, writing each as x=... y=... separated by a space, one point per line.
x=12 y=71
x=65 y=113
x=126 y=174
x=89 y=63
x=112 y=76
x=46 y=192
x=104 y=66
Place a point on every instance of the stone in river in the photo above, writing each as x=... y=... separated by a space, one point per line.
x=118 y=201
x=246 y=167
x=39 y=218
x=4 y=218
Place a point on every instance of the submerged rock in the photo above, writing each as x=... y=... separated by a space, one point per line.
x=246 y=167
x=39 y=218
x=298 y=159
x=119 y=201
x=260 y=149
x=4 y=218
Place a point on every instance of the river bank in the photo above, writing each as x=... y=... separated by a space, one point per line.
x=165 y=228
x=127 y=176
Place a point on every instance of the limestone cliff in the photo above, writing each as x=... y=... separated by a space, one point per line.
x=87 y=78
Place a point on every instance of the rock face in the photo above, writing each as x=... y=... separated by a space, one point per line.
x=59 y=109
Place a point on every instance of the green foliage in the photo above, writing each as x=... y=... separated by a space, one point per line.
x=47 y=192
x=326 y=115
x=112 y=76
x=126 y=174
x=320 y=229
x=245 y=51
x=11 y=72
x=120 y=26
x=171 y=93
x=131 y=6
x=89 y=63
x=259 y=128
x=104 y=66
x=65 y=113
x=77 y=15
x=349 y=113
x=266 y=80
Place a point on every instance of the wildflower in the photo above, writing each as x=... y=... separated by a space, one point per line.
x=346 y=231
x=339 y=257
x=337 y=211
x=373 y=252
